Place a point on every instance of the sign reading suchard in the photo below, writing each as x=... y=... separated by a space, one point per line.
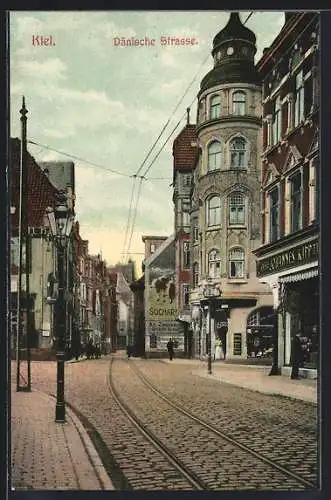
x=161 y=300
x=296 y=256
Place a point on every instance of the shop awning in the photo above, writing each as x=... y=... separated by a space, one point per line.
x=302 y=275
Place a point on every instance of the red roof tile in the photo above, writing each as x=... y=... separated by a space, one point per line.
x=41 y=193
x=184 y=153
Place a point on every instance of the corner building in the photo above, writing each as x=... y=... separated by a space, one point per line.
x=225 y=199
x=288 y=259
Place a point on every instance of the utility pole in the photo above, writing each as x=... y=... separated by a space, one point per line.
x=23 y=238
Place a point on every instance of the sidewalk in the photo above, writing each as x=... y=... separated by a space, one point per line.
x=47 y=455
x=255 y=378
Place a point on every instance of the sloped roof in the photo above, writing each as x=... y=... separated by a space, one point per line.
x=184 y=153
x=41 y=192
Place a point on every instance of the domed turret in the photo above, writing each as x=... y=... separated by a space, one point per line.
x=234 y=30
x=234 y=48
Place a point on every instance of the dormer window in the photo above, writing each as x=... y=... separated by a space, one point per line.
x=239 y=103
x=215 y=107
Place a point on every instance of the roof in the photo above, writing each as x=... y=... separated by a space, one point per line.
x=41 y=192
x=185 y=154
x=148 y=237
x=234 y=30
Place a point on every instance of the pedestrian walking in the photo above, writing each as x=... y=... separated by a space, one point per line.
x=296 y=356
x=170 y=347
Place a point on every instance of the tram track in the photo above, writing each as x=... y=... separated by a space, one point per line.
x=307 y=484
x=192 y=479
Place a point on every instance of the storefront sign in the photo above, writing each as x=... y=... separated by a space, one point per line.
x=296 y=256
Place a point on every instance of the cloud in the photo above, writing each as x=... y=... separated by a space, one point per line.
x=53 y=69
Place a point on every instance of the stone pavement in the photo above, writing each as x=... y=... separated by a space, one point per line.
x=255 y=378
x=47 y=455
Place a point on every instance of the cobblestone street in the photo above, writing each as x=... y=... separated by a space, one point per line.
x=280 y=428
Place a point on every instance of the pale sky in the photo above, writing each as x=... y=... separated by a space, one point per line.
x=107 y=105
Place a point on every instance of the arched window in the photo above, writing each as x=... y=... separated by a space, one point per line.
x=215 y=107
x=236 y=262
x=214 y=264
x=236 y=209
x=214 y=211
x=195 y=274
x=239 y=103
x=238 y=153
x=214 y=156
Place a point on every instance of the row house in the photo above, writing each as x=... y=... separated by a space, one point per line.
x=62 y=175
x=125 y=313
x=185 y=154
x=288 y=257
x=40 y=251
x=110 y=312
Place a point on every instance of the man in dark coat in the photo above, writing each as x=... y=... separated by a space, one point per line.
x=170 y=347
x=296 y=356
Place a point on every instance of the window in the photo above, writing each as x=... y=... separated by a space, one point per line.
x=187 y=180
x=186 y=219
x=215 y=106
x=317 y=188
x=274 y=214
x=152 y=248
x=195 y=231
x=296 y=208
x=214 y=156
x=186 y=254
x=277 y=122
x=14 y=252
x=195 y=274
x=299 y=99
x=214 y=264
x=236 y=261
x=236 y=209
x=214 y=211
x=186 y=295
x=238 y=153
x=238 y=103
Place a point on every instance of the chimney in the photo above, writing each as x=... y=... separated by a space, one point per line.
x=187 y=116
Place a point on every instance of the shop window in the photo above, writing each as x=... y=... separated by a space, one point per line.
x=214 y=264
x=238 y=153
x=186 y=254
x=239 y=103
x=237 y=344
x=214 y=211
x=274 y=215
x=236 y=263
x=214 y=156
x=236 y=209
x=296 y=202
x=299 y=99
x=215 y=107
x=195 y=274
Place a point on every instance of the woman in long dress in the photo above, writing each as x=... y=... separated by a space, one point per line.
x=218 y=349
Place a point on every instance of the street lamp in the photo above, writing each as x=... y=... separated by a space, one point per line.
x=60 y=221
x=210 y=292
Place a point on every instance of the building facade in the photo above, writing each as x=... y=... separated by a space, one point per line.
x=288 y=258
x=184 y=162
x=40 y=255
x=225 y=200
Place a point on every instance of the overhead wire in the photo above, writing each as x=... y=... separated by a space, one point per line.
x=166 y=141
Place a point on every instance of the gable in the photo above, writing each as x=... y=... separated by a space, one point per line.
x=293 y=158
x=270 y=174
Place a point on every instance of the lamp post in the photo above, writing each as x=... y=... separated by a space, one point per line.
x=60 y=222
x=210 y=291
